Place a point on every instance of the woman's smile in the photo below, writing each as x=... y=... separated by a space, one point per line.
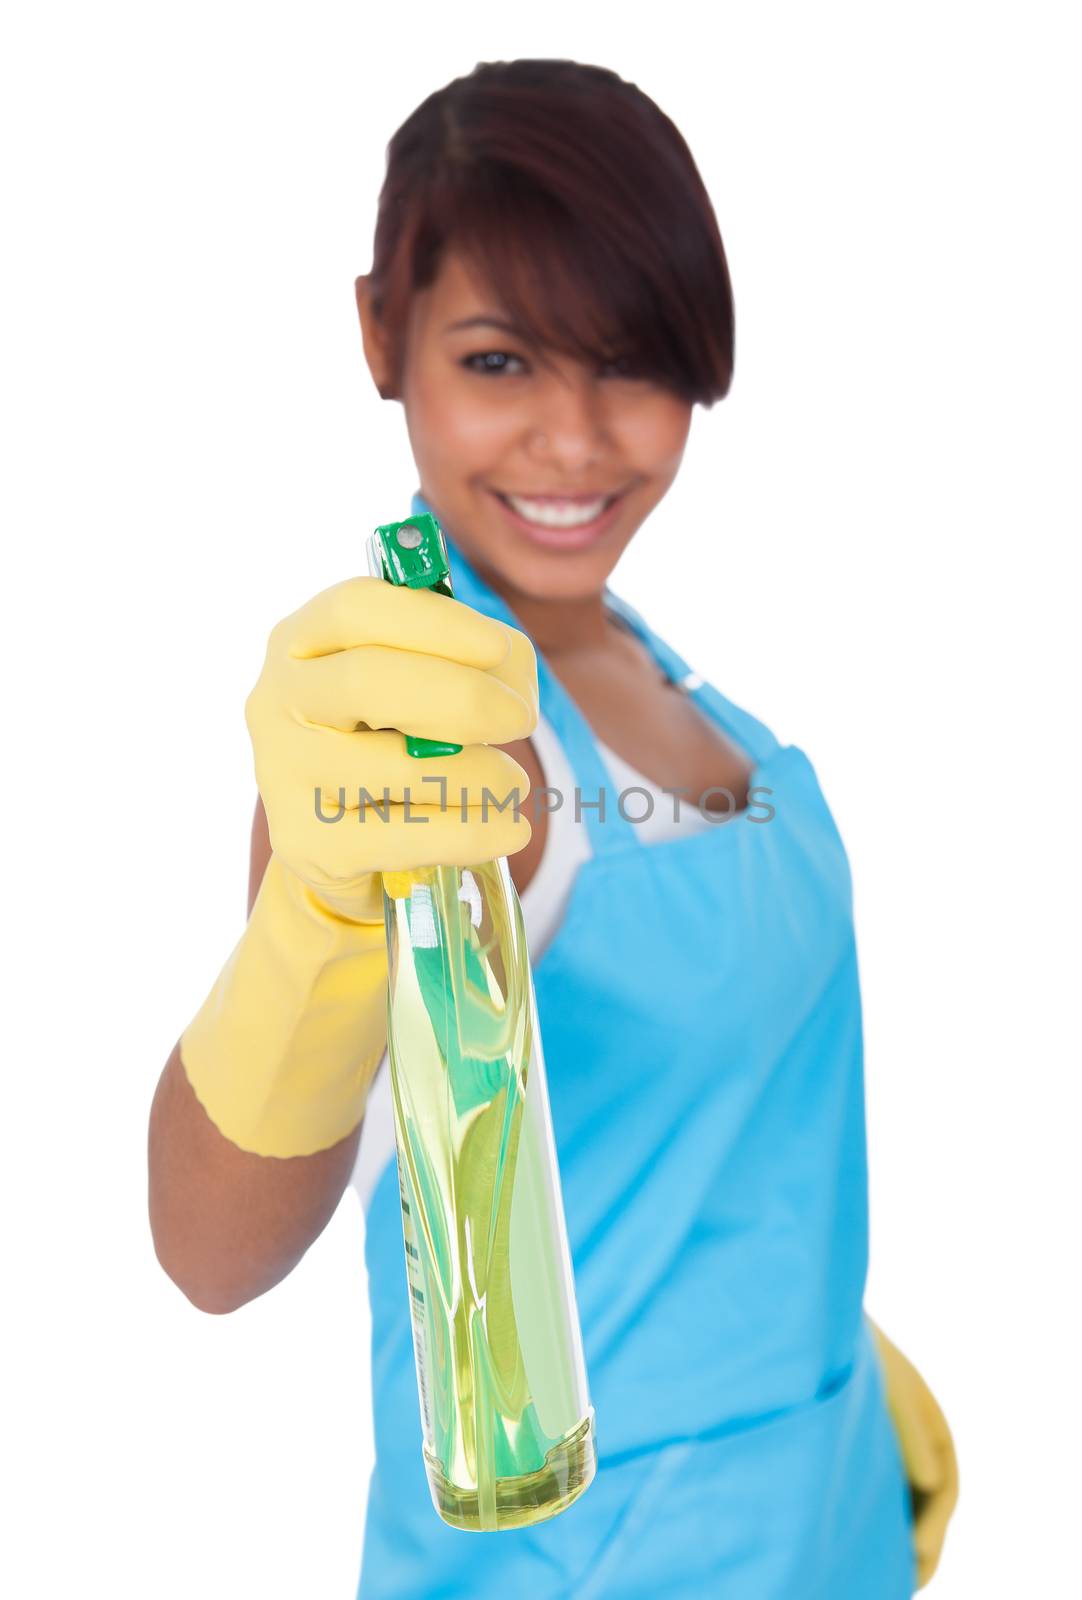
x=561 y=522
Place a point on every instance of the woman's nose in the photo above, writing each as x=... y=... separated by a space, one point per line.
x=568 y=426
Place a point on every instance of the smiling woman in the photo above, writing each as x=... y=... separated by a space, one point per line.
x=548 y=301
x=549 y=271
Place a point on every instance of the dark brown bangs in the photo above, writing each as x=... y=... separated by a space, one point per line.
x=560 y=281
x=573 y=196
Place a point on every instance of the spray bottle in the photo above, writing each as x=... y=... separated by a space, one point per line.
x=508 y=1429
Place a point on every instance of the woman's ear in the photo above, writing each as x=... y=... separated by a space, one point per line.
x=375 y=341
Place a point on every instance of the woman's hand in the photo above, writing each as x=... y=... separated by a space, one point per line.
x=928 y=1455
x=283 y=1050
x=358 y=662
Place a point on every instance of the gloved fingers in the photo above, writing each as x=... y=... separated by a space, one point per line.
x=385 y=687
x=932 y=1511
x=918 y=1420
x=363 y=611
x=341 y=765
x=917 y=1437
x=927 y=1451
x=334 y=857
x=519 y=671
x=933 y=1480
x=348 y=675
x=935 y=1461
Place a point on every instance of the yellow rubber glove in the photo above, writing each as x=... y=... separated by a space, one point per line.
x=282 y=1052
x=928 y=1455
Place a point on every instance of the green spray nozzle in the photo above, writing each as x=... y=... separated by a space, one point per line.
x=413 y=555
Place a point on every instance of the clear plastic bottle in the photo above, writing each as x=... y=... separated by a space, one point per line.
x=507 y=1422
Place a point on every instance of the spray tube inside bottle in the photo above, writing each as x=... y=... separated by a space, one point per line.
x=508 y=1429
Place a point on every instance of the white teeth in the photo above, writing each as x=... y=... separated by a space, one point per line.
x=554 y=514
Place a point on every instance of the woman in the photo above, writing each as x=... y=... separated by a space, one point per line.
x=548 y=301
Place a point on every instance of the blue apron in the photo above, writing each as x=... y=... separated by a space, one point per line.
x=701 y=1023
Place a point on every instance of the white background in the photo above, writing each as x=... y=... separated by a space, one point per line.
x=883 y=516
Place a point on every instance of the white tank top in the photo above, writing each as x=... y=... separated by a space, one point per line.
x=545 y=897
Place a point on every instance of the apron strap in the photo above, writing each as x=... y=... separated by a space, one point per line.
x=750 y=735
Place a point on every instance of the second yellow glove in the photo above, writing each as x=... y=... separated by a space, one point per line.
x=927 y=1450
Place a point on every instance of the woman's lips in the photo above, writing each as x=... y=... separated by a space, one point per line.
x=562 y=538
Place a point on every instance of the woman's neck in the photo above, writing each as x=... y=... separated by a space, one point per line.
x=561 y=628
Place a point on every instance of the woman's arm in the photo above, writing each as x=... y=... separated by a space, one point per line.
x=229 y=1225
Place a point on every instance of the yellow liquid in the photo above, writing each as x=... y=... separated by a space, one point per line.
x=508 y=1427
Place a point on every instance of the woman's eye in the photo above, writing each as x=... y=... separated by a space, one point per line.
x=491 y=361
x=504 y=361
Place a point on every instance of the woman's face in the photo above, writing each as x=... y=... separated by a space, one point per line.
x=491 y=417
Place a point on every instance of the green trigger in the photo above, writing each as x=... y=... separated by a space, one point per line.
x=413 y=555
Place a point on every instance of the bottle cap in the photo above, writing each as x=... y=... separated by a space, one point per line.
x=411 y=554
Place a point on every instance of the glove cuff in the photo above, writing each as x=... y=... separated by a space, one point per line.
x=283 y=1050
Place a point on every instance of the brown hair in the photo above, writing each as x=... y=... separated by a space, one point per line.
x=575 y=195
